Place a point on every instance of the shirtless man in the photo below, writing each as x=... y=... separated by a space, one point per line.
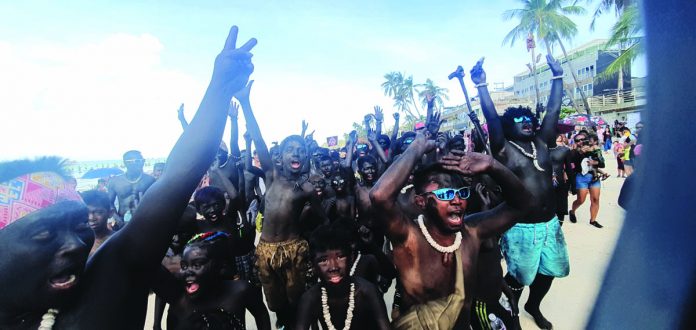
x=344 y=205
x=99 y=213
x=436 y=255
x=339 y=301
x=281 y=253
x=535 y=250
x=129 y=187
x=43 y=251
x=202 y=298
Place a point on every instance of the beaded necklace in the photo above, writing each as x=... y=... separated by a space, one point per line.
x=435 y=245
x=355 y=264
x=327 y=314
x=48 y=319
x=533 y=155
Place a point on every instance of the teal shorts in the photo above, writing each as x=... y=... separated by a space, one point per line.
x=531 y=248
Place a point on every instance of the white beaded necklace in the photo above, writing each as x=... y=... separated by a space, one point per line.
x=48 y=319
x=431 y=241
x=533 y=155
x=327 y=314
x=355 y=264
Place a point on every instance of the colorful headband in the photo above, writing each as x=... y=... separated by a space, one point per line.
x=32 y=192
x=207 y=237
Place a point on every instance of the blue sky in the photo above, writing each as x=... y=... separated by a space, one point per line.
x=89 y=80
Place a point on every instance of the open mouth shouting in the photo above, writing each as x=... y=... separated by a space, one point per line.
x=65 y=279
x=527 y=129
x=455 y=218
x=191 y=287
x=334 y=277
x=295 y=164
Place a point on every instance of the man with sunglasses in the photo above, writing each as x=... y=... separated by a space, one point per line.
x=436 y=254
x=129 y=187
x=535 y=249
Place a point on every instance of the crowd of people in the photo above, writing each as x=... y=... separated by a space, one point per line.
x=424 y=210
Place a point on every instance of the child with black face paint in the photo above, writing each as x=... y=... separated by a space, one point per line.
x=202 y=298
x=339 y=301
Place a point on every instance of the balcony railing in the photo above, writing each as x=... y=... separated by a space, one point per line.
x=616 y=100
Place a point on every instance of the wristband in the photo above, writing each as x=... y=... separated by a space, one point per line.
x=481 y=85
x=557 y=77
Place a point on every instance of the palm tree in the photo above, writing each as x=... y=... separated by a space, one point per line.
x=548 y=21
x=626 y=34
x=401 y=90
x=429 y=88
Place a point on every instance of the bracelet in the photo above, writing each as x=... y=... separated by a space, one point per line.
x=481 y=85
x=557 y=77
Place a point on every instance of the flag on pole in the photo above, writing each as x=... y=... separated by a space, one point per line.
x=332 y=141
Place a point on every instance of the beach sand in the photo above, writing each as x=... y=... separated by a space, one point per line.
x=569 y=302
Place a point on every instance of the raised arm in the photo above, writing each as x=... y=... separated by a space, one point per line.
x=372 y=137
x=394 y=136
x=549 y=130
x=385 y=192
x=233 y=113
x=379 y=119
x=182 y=118
x=253 y=128
x=495 y=127
x=348 y=162
x=143 y=243
x=518 y=201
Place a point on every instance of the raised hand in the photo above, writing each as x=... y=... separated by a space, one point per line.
x=433 y=124
x=478 y=76
x=554 y=65
x=483 y=195
x=430 y=145
x=305 y=125
x=353 y=136
x=379 y=114
x=180 y=111
x=233 y=110
x=396 y=116
x=247 y=136
x=242 y=95
x=233 y=65
x=467 y=163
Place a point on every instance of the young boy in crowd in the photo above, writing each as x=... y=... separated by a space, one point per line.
x=99 y=208
x=202 y=298
x=339 y=301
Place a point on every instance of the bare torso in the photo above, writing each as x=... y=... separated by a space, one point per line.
x=285 y=200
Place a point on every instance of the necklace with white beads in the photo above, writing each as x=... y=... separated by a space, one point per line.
x=355 y=264
x=438 y=247
x=48 y=319
x=327 y=314
x=533 y=155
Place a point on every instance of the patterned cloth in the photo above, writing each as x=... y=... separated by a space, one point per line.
x=283 y=268
x=246 y=268
x=32 y=192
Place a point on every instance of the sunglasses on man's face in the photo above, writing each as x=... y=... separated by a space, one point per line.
x=133 y=161
x=447 y=194
x=522 y=119
x=337 y=182
x=408 y=141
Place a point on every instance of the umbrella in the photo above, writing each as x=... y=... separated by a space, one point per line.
x=98 y=173
x=583 y=120
x=563 y=128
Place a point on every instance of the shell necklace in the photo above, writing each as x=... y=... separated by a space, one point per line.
x=327 y=314
x=533 y=155
x=134 y=181
x=355 y=264
x=48 y=319
x=438 y=247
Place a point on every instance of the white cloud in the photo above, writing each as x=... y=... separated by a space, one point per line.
x=92 y=100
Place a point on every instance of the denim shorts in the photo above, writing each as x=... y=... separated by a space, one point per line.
x=585 y=181
x=531 y=248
